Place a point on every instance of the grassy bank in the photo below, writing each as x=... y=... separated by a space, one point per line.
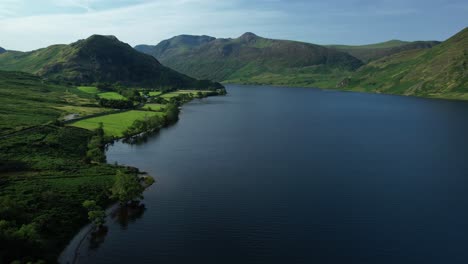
x=294 y=78
x=115 y=124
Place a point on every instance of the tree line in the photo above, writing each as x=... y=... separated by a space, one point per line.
x=153 y=123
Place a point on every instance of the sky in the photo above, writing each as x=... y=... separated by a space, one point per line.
x=32 y=24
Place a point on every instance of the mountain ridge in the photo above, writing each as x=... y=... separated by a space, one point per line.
x=254 y=59
x=370 y=52
x=98 y=59
x=385 y=44
x=424 y=68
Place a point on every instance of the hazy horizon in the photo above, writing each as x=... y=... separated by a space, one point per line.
x=355 y=22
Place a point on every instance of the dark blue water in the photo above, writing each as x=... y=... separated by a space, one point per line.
x=276 y=175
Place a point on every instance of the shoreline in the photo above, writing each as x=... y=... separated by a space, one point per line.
x=432 y=97
x=70 y=253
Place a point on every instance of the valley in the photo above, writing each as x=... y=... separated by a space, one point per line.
x=63 y=106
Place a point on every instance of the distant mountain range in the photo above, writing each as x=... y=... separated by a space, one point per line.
x=253 y=59
x=98 y=59
x=440 y=71
x=428 y=68
x=2 y=50
x=372 y=52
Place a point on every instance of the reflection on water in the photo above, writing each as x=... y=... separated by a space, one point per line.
x=123 y=215
x=141 y=138
x=90 y=239
x=96 y=238
x=128 y=214
x=120 y=217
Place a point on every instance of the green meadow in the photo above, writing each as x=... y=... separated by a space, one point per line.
x=154 y=107
x=179 y=92
x=111 y=96
x=153 y=93
x=115 y=124
x=89 y=89
x=169 y=95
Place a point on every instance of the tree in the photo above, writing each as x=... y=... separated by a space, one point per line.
x=172 y=114
x=116 y=104
x=28 y=232
x=150 y=123
x=96 y=146
x=96 y=155
x=100 y=130
x=96 y=215
x=126 y=188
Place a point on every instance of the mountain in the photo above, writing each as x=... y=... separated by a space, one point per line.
x=441 y=71
x=174 y=46
x=254 y=60
x=382 y=45
x=372 y=52
x=98 y=59
x=2 y=50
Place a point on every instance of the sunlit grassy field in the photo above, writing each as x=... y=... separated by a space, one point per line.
x=89 y=89
x=177 y=93
x=170 y=95
x=111 y=96
x=153 y=93
x=115 y=124
x=154 y=107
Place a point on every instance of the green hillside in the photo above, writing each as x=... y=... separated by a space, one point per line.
x=27 y=100
x=441 y=71
x=98 y=59
x=382 y=45
x=372 y=52
x=174 y=46
x=255 y=60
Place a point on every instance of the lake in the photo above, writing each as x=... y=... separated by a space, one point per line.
x=293 y=175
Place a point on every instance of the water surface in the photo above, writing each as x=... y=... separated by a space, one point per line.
x=276 y=175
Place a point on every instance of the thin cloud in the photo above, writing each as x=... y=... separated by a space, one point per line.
x=84 y=4
x=150 y=21
x=10 y=8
